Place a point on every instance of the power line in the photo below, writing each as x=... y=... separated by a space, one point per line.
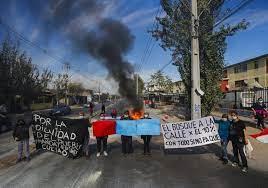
x=235 y=10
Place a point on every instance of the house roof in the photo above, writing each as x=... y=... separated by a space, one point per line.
x=248 y=60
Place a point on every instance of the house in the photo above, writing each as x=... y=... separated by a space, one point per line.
x=252 y=73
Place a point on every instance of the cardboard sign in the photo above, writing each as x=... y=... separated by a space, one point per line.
x=104 y=128
x=190 y=133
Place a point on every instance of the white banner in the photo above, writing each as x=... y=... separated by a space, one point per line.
x=190 y=133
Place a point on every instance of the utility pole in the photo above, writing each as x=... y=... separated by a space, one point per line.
x=66 y=79
x=195 y=66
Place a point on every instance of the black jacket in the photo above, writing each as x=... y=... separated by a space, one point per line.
x=21 y=132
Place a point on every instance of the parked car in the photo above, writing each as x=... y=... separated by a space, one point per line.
x=5 y=123
x=60 y=109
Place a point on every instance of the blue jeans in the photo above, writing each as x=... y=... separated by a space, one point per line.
x=224 y=143
x=20 y=148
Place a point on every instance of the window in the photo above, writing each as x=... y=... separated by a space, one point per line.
x=256 y=65
x=240 y=68
x=257 y=79
x=240 y=83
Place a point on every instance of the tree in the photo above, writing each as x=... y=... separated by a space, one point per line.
x=174 y=32
x=164 y=83
x=20 y=76
x=75 y=89
x=60 y=85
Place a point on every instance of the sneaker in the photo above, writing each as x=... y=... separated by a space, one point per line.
x=225 y=162
x=18 y=160
x=245 y=169
x=234 y=164
x=28 y=159
x=98 y=154
x=105 y=153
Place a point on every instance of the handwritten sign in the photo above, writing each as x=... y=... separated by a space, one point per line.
x=190 y=133
x=61 y=136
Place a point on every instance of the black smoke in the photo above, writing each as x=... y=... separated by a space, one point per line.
x=106 y=40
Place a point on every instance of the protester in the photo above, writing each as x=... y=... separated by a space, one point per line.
x=91 y=108
x=103 y=108
x=114 y=113
x=224 y=127
x=102 y=141
x=238 y=138
x=259 y=110
x=146 y=139
x=86 y=141
x=126 y=140
x=21 y=135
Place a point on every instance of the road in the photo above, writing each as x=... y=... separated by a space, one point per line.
x=195 y=167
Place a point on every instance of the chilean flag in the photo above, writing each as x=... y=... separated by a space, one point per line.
x=262 y=136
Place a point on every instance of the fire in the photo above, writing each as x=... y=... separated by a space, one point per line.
x=136 y=114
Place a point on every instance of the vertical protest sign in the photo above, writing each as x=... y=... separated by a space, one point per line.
x=190 y=133
x=58 y=135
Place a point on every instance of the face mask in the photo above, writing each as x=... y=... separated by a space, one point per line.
x=125 y=116
x=260 y=101
x=146 y=116
x=224 y=119
x=234 y=117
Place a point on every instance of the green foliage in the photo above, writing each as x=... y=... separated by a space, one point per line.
x=163 y=82
x=140 y=85
x=75 y=89
x=19 y=77
x=174 y=32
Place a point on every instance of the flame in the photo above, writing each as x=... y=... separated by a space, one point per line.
x=136 y=114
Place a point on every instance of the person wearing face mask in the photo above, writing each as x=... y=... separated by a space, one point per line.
x=224 y=126
x=238 y=138
x=259 y=110
x=146 y=139
x=102 y=141
x=21 y=135
x=126 y=140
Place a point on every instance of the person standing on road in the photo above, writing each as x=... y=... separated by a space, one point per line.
x=224 y=127
x=103 y=108
x=114 y=113
x=102 y=141
x=238 y=138
x=126 y=140
x=259 y=110
x=91 y=108
x=146 y=139
x=21 y=135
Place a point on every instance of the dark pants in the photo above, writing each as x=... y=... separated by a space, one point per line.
x=224 y=143
x=238 y=148
x=126 y=144
x=103 y=141
x=260 y=122
x=146 y=140
x=24 y=142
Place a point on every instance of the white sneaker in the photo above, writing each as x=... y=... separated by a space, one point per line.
x=105 y=153
x=244 y=169
x=98 y=154
x=234 y=164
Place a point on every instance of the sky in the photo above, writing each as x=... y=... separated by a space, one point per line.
x=139 y=16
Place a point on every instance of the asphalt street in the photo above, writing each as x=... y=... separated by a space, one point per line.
x=194 y=167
